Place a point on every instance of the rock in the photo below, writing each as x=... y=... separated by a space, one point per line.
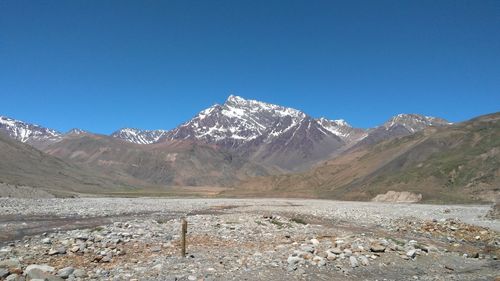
x=4 y=272
x=74 y=249
x=13 y=277
x=47 y=241
x=353 y=261
x=347 y=252
x=315 y=241
x=43 y=267
x=65 y=272
x=306 y=248
x=411 y=253
x=5 y=250
x=331 y=256
x=377 y=248
x=10 y=264
x=319 y=261
x=79 y=273
x=155 y=249
x=400 y=197
x=58 y=251
x=364 y=260
x=336 y=251
x=383 y=242
x=36 y=273
x=52 y=252
x=157 y=267
x=473 y=255
x=292 y=260
x=82 y=236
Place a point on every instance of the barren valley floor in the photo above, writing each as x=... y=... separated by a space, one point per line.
x=245 y=239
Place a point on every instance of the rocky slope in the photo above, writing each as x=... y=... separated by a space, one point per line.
x=446 y=164
x=399 y=126
x=23 y=167
x=274 y=135
x=278 y=136
x=179 y=163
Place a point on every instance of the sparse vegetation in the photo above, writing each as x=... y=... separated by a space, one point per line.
x=278 y=223
x=97 y=229
x=298 y=220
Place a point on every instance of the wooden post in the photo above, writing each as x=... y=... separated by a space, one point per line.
x=183 y=237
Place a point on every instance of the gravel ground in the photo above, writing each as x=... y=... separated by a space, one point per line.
x=244 y=239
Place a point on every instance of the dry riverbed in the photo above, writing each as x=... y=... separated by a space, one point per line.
x=244 y=239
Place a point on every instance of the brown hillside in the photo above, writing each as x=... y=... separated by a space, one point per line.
x=458 y=163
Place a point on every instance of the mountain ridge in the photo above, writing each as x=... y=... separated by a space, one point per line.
x=280 y=137
x=456 y=163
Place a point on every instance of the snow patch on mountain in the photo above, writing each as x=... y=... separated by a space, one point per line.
x=76 y=132
x=139 y=136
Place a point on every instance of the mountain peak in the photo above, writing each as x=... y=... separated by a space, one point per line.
x=338 y=122
x=76 y=131
x=26 y=132
x=235 y=99
x=414 y=122
x=139 y=136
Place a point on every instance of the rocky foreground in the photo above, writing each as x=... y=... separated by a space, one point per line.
x=254 y=239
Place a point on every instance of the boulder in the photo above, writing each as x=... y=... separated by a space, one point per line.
x=398 y=197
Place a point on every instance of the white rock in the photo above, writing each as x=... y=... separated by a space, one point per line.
x=354 y=261
x=364 y=260
x=315 y=241
x=294 y=260
x=411 y=253
x=43 y=267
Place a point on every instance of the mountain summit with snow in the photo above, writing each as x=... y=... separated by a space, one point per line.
x=139 y=136
x=414 y=122
x=265 y=132
x=28 y=133
x=235 y=122
x=278 y=136
x=399 y=126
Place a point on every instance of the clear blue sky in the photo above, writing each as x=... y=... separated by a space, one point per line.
x=102 y=65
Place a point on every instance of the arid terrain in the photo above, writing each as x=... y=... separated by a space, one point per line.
x=245 y=239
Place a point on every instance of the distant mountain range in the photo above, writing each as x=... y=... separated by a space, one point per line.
x=285 y=138
x=269 y=149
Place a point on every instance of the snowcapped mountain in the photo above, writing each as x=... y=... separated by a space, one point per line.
x=76 y=132
x=237 y=121
x=265 y=132
x=342 y=129
x=270 y=134
x=399 y=126
x=28 y=133
x=414 y=122
x=139 y=136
